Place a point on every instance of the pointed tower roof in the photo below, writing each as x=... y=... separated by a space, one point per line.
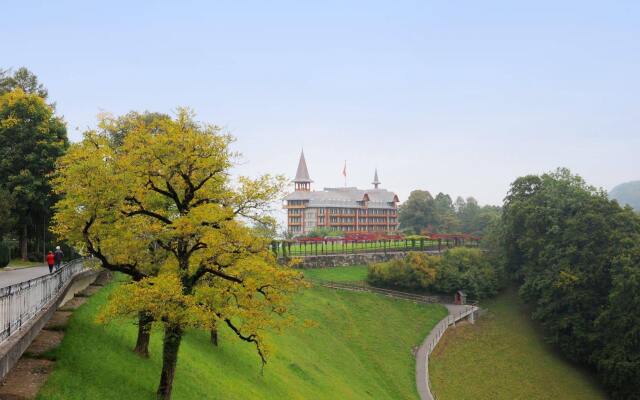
x=376 y=181
x=302 y=174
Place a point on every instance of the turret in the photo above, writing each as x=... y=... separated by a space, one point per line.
x=376 y=181
x=302 y=181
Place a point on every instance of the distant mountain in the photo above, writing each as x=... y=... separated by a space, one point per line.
x=627 y=193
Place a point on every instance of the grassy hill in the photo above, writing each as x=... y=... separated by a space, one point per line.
x=354 y=273
x=627 y=193
x=361 y=349
x=503 y=356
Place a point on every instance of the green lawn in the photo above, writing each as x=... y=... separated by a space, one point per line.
x=360 y=349
x=17 y=263
x=355 y=273
x=503 y=356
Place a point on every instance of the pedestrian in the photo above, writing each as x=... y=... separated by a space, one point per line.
x=51 y=259
x=58 y=257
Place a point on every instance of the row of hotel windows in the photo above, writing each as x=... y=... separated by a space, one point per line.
x=351 y=228
x=346 y=220
x=347 y=228
x=370 y=211
x=353 y=211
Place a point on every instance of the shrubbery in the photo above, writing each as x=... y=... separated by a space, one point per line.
x=416 y=271
x=468 y=270
x=461 y=268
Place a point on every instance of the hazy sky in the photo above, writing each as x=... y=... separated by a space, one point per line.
x=453 y=96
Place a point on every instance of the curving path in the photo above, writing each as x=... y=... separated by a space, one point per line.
x=456 y=313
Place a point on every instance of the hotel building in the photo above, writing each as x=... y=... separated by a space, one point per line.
x=346 y=209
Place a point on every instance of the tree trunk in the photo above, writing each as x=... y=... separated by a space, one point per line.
x=214 y=337
x=170 y=346
x=24 y=254
x=145 y=321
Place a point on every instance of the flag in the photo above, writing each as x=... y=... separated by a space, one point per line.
x=344 y=170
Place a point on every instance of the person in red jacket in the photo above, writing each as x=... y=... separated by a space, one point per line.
x=51 y=259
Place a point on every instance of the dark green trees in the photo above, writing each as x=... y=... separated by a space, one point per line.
x=31 y=140
x=422 y=211
x=575 y=254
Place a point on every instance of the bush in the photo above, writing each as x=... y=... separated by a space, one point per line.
x=415 y=271
x=5 y=255
x=460 y=268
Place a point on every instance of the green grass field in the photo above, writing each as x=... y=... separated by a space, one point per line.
x=17 y=263
x=355 y=273
x=503 y=356
x=360 y=349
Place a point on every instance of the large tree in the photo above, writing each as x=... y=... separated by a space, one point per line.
x=21 y=79
x=31 y=140
x=418 y=212
x=575 y=253
x=169 y=192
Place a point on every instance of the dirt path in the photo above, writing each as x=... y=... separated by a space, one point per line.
x=34 y=367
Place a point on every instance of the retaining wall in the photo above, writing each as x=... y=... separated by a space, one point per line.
x=11 y=349
x=346 y=259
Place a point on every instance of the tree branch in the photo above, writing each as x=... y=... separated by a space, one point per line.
x=128 y=269
x=142 y=211
x=251 y=338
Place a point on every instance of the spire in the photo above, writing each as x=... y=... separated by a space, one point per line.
x=376 y=181
x=302 y=180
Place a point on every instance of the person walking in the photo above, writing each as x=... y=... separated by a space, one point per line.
x=58 y=257
x=51 y=259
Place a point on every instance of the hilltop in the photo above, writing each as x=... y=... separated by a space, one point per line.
x=627 y=193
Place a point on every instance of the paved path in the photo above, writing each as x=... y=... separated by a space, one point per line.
x=422 y=358
x=19 y=275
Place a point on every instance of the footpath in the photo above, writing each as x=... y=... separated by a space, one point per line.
x=36 y=364
x=10 y=276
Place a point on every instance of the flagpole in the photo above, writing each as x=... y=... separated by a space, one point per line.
x=344 y=172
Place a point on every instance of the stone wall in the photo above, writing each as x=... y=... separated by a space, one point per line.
x=347 y=259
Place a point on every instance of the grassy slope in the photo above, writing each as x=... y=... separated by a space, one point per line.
x=503 y=357
x=360 y=349
x=356 y=273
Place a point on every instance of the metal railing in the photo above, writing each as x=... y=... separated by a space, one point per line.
x=22 y=301
x=304 y=249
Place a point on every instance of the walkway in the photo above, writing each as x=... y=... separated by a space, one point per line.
x=20 y=275
x=456 y=313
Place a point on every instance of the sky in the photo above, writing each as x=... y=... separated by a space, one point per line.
x=459 y=97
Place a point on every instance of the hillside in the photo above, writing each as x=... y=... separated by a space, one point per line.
x=503 y=356
x=627 y=193
x=360 y=349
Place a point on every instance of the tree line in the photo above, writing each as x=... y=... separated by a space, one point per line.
x=575 y=255
x=32 y=138
x=440 y=214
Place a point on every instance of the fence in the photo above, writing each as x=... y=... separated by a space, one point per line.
x=363 y=287
x=438 y=331
x=22 y=301
x=317 y=248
